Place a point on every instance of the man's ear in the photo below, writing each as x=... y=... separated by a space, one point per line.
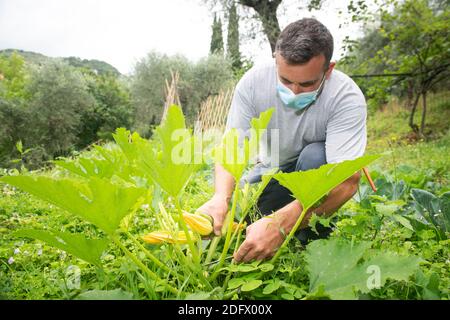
x=330 y=68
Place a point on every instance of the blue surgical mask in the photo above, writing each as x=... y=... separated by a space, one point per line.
x=298 y=101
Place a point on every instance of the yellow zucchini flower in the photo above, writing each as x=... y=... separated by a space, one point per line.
x=199 y=222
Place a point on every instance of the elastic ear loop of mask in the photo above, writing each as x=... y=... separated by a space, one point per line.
x=318 y=93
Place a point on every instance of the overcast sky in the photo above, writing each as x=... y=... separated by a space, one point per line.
x=122 y=31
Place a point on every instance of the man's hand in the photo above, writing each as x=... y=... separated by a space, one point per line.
x=263 y=238
x=217 y=208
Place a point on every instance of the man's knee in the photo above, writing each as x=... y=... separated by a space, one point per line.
x=311 y=157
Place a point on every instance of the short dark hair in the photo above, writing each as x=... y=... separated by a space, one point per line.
x=304 y=39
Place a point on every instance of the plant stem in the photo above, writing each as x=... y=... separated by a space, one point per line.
x=148 y=253
x=191 y=267
x=289 y=237
x=252 y=203
x=185 y=261
x=238 y=231
x=238 y=241
x=212 y=249
x=150 y=273
x=101 y=275
x=394 y=162
x=229 y=294
x=378 y=229
x=229 y=230
x=190 y=241
x=225 y=283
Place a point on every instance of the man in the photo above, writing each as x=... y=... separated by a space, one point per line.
x=320 y=114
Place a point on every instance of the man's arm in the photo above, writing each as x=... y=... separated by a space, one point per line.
x=337 y=197
x=217 y=206
x=223 y=182
x=264 y=236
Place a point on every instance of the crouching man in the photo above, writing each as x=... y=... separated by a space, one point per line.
x=320 y=117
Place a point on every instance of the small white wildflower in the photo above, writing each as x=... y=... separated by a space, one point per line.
x=11 y=260
x=16 y=251
x=7 y=191
x=19 y=243
x=39 y=252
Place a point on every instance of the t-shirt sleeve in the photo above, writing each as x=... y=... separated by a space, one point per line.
x=346 y=135
x=242 y=108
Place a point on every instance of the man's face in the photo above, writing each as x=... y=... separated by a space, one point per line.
x=305 y=77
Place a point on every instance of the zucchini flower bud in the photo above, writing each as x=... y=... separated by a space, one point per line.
x=162 y=236
x=199 y=222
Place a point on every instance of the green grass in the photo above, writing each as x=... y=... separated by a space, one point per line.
x=390 y=125
x=388 y=131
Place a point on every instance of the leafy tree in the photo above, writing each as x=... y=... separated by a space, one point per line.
x=209 y=76
x=217 y=37
x=12 y=76
x=59 y=97
x=14 y=127
x=267 y=14
x=112 y=109
x=52 y=107
x=411 y=41
x=419 y=43
x=14 y=113
x=358 y=61
x=148 y=87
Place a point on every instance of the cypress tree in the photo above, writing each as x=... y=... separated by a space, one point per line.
x=233 y=38
x=217 y=37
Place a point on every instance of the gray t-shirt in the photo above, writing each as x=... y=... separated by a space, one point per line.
x=338 y=117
